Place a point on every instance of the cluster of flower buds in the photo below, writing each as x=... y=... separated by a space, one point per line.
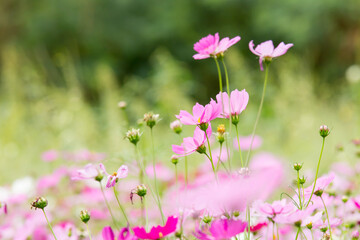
x=39 y=202
x=151 y=119
x=324 y=131
x=84 y=216
x=133 y=135
x=176 y=126
x=140 y=190
x=220 y=133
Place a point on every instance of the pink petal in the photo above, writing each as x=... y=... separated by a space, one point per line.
x=281 y=49
x=251 y=47
x=122 y=172
x=265 y=48
x=107 y=233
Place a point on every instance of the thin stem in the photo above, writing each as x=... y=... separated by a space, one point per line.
x=228 y=152
x=146 y=216
x=228 y=92
x=219 y=160
x=186 y=172
x=87 y=226
x=327 y=216
x=259 y=112
x=298 y=185
x=210 y=158
x=297 y=234
x=155 y=180
x=238 y=140
x=121 y=207
x=248 y=217
x=49 y=224
x=107 y=205
x=317 y=171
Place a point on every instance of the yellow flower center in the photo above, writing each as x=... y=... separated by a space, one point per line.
x=199 y=120
x=114 y=174
x=161 y=235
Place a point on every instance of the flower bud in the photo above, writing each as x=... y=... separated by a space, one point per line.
x=99 y=177
x=151 y=119
x=356 y=142
x=324 y=131
x=201 y=149
x=220 y=134
x=319 y=192
x=235 y=119
x=174 y=159
x=122 y=104
x=323 y=228
x=133 y=135
x=297 y=166
x=178 y=235
x=302 y=180
x=39 y=202
x=176 y=126
x=344 y=199
x=140 y=190
x=309 y=225
x=207 y=219
x=297 y=224
x=84 y=216
x=236 y=214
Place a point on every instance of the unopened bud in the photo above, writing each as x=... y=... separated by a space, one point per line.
x=297 y=224
x=323 y=228
x=99 y=177
x=309 y=225
x=319 y=192
x=302 y=180
x=356 y=142
x=151 y=119
x=235 y=119
x=207 y=219
x=297 y=166
x=236 y=214
x=122 y=104
x=174 y=159
x=176 y=126
x=324 y=131
x=39 y=202
x=140 y=190
x=133 y=135
x=344 y=199
x=201 y=149
x=220 y=134
x=84 y=216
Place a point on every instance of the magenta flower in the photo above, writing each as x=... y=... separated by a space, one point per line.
x=201 y=115
x=192 y=144
x=222 y=229
x=108 y=234
x=159 y=231
x=210 y=46
x=266 y=50
x=3 y=208
x=122 y=172
x=238 y=102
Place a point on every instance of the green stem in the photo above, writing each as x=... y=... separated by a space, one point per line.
x=186 y=172
x=327 y=216
x=108 y=205
x=49 y=224
x=259 y=112
x=299 y=190
x=238 y=140
x=248 y=217
x=219 y=160
x=228 y=152
x=87 y=226
x=121 y=207
x=146 y=216
x=317 y=171
x=155 y=180
x=210 y=158
x=228 y=92
x=297 y=234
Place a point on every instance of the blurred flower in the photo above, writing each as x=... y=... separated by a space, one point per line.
x=133 y=135
x=321 y=184
x=176 y=126
x=221 y=229
x=192 y=144
x=90 y=171
x=3 y=208
x=238 y=102
x=266 y=50
x=50 y=156
x=210 y=46
x=274 y=209
x=122 y=104
x=122 y=172
x=201 y=115
x=159 y=231
x=163 y=173
x=151 y=119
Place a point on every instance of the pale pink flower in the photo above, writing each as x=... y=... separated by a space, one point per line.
x=192 y=144
x=238 y=102
x=245 y=142
x=310 y=220
x=159 y=231
x=122 y=172
x=51 y=181
x=266 y=50
x=50 y=156
x=321 y=184
x=163 y=173
x=201 y=114
x=210 y=46
x=221 y=229
x=275 y=208
x=90 y=171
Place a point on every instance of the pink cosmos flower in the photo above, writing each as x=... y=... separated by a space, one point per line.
x=321 y=184
x=222 y=229
x=274 y=209
x=246 y=141
x=238 y=102
x=210 y=46
x=201 y=114
x=266 y=50
x=192 y=144
x=108 y=234
x=159 y=231
x=122 y=172
x=50 y=156
x=90 y=171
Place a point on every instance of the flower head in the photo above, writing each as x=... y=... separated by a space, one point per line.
x=108 y=234
x=133 y=135
x=151 y=119
x=238 y=102
x=192 y=144
x=266 y=50
x=176 y=126
x=84 y=216
x=159 y=231
x=222 y=229
x=210 y=46
x=90 y=171
x=122 y=172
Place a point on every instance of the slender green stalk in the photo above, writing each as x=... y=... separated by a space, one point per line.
x=49 y=224
x=219 y=74
x=228 y=152
x=141 y=175
x=219 y=160
x=108 y=205
x=155 y=180
x=327 y=216
x=297 y=234
x=121 y=207
x=146 y=216
x=317 y=171
x=87 y=226
x=299 y=190
x=210 y=158
x=259 y=112
x=238 y=140
x=228 y=92
x=149 y=187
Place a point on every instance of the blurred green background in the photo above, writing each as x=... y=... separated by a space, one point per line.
x=66 y=64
